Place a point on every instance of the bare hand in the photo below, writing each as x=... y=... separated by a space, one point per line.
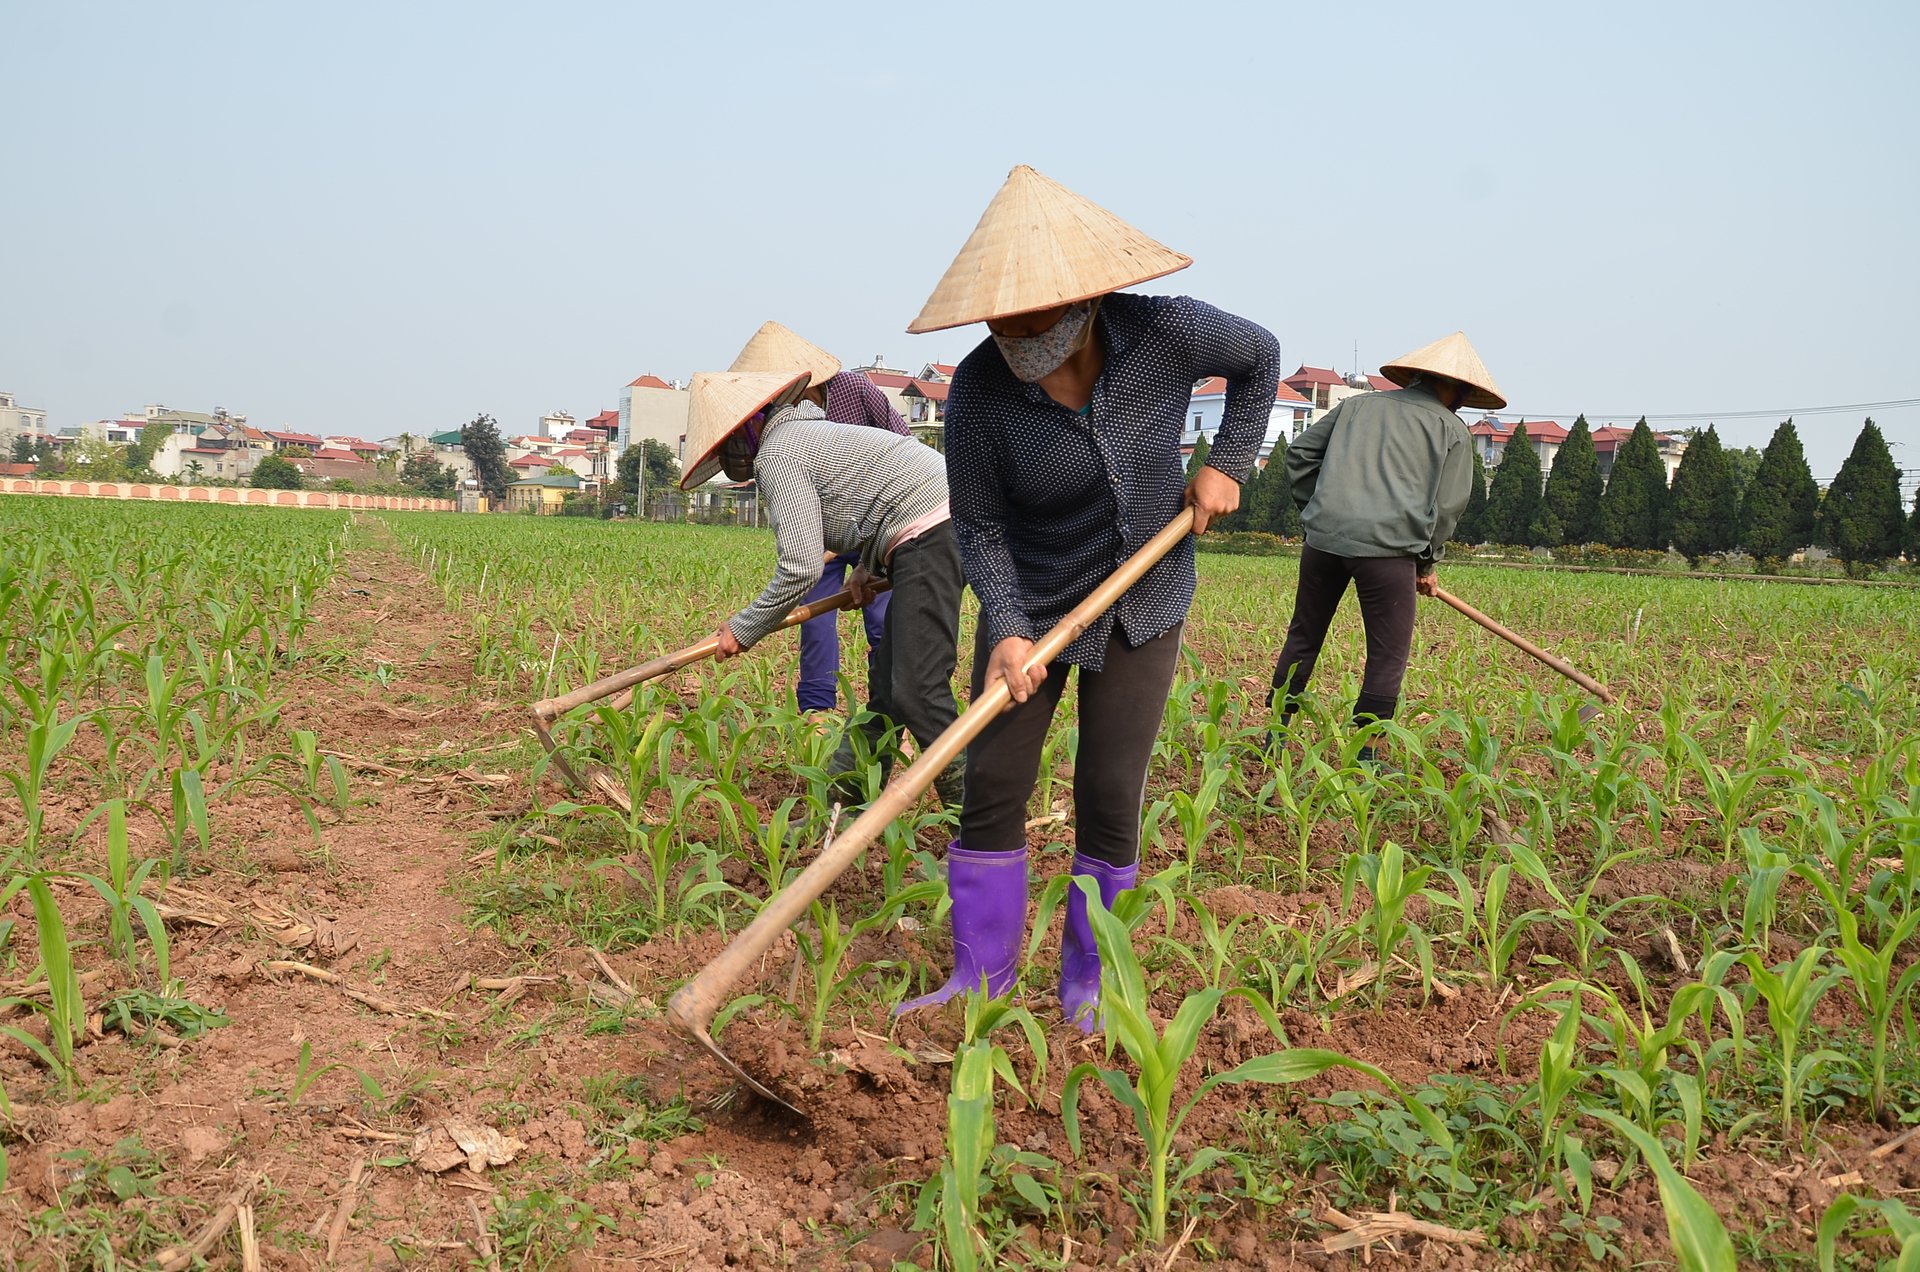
x=1211 y=494
x=861 y=584
x=729 y=644
x=1005 y=662
x=1428 y=584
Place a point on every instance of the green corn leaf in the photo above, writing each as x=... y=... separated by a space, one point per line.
x=1700 y=1241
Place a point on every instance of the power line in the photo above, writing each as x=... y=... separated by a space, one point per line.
x=1779 y=414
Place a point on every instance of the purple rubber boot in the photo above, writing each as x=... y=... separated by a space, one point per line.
x=989 y=916
x=1079 y=957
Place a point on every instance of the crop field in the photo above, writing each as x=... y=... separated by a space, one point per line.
x=308 y=958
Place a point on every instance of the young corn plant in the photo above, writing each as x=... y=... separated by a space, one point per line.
x=1484 y=922
x=121 y=890
x=824 y=949
x=1790 y=992
x=1870 y=968
x=1896 y=1224
x=1391 y=885
x=1161 y=1058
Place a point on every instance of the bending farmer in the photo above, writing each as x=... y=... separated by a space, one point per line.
x=1063 y=455
x=1381 y=482
x=830 y=488
x=847 y=397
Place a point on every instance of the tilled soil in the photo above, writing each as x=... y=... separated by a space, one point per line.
x=310 y=1095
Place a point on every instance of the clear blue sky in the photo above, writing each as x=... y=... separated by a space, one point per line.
x=374 y=218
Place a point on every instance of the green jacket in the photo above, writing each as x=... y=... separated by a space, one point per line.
x=1382 y=474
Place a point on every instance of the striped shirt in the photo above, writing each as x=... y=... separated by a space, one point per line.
x=829 y=488
x=1047 y=501
x=854 y=399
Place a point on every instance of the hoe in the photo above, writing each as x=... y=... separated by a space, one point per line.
x=698 y=1001
x=1521 y=643
x=549 y=710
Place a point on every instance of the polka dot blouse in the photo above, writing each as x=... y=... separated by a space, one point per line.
x=1048 y=501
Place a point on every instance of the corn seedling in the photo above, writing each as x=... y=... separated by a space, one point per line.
x=1790 y=992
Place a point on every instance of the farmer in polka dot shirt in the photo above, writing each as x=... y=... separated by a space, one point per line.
x=1063 y=459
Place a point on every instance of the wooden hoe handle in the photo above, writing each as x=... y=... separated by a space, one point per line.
x=554 y=708
x=694 y=1006
x=1521 y=643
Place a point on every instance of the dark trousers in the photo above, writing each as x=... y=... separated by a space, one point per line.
x=1120 y=710
x=819 y=686
x=1385 y=586
x=912 y=673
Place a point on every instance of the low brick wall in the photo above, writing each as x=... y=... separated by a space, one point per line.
x=243 y=495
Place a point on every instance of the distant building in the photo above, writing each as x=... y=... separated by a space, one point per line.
x=1324 y=388
x=542 y=494
x=652 y=408
x=16 y=419
x=1208 y=407
x=556 y=424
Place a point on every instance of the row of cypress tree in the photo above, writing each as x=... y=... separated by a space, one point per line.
x=1781 y=510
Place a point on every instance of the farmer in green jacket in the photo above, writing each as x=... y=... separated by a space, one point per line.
x=1380 y=482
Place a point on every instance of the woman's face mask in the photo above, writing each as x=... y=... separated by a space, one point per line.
x=736 y=456
x=1034 y=358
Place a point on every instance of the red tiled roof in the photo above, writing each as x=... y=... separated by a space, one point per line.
x=570 y=452
x=943 y=368
x=294 y=439
x=356 y=445
x=648 y=382
x=606 y=419
x=1316 y=375
x=531 y=461
x=888 y=380
x=16 y=470
x=336 y=452
x=1381 y=384
x=1215 y=385
x=529 y=441
x=934 y=390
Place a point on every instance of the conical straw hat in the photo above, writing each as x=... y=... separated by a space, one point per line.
x=1038 y=245
x=777 y=348
x=721 y=402
x=1454 y=357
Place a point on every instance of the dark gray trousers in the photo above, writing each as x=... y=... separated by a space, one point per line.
x=911 y=682
x=1120 y=710
x=1387 y=599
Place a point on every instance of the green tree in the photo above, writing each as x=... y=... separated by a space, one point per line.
x=23 y=448
x=1201 y=449
x=1574 y=486
x=1276 y=513
x=480 y=439
x=658 y=464
x=1861 y=518
x=559 y=470
x=1777 y=510
x=97 y=459
x=276 y=472
x=1515 y=503
x=52 y=463
x=429 y=476
x=1473 y=522
x=139 y=455
x=1913 y=531
x=1633 y=511
x=193 y=471
x=1742 y=463
x=1704 y=512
